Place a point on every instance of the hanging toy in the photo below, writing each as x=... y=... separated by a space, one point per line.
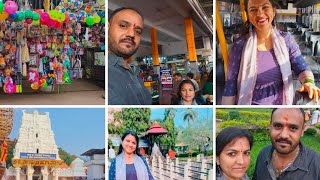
x=2 y=61
x=66 y=62
x=10 y=7
x=66 y=78
x=18 y=83
x=33 y=76
x=46 y=5
x=9 y=87
x=35 y=86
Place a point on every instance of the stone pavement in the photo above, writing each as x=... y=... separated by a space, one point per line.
x=80 y=92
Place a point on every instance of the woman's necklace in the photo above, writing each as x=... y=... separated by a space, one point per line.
x=279 y=171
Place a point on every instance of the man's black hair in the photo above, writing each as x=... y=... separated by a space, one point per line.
x=298 y=109
x=124 y=8
x=177 y=74
x=190 y=75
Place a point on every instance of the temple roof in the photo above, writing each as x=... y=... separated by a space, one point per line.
x=91 y=152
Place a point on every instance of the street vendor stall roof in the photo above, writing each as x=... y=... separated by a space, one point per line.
x=91 y=152
x=156 y=129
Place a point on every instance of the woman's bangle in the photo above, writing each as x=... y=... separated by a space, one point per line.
x=309 y=81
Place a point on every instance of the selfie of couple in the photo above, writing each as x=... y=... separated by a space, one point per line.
x=286 y=158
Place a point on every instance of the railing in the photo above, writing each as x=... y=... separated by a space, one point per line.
x=165 y=168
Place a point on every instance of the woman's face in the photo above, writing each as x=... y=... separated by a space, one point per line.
x=129 y=144
x=234 y=159
x=187 y=92
x=261 y=14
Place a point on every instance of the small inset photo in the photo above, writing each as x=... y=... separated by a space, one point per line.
x=52 y=144
x=265 y=143
x=160 y=52
x=160 y=143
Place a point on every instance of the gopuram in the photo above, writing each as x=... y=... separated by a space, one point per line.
x=36 y=153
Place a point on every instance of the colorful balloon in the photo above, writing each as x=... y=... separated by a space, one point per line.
x=61 y=17
x=3 y=16
x=35 y=16
x=96 y=19
x=58 y=25
x=103 y=20
x=51 y=22
x=28 y=13
x=44 y=17
x=10 y=7
x=1 y=7
x=28 y=21
x=89 y=21
x=54 y=14
x=21 y=16
x=36 y=22
x=14 y=16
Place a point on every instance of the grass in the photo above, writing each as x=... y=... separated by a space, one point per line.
x=313 y=142
x=249 y=109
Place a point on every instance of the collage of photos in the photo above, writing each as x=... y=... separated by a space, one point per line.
x=197 y=90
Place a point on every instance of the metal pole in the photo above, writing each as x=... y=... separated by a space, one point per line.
x=222 y=40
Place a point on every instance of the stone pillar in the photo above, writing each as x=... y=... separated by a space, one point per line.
x=17 y=171
x=56 y=174
x=30 y=171
x=45 y=173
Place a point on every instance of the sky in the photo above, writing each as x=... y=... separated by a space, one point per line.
x=76 y=130
x=203 y=113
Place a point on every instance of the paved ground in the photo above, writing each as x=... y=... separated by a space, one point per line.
x=80 y=92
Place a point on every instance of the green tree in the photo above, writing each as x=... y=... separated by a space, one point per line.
x=168 y=123
x=190 y=115
x=196 y=134
x=66 y=157
x=135 y=119
x=10 y=153
x=116 y=126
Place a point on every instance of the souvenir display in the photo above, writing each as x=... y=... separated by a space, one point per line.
x=45 y=46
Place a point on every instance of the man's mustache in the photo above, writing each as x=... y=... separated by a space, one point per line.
x=128 y=39
x=284 y=140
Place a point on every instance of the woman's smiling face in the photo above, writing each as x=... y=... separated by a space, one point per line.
x=261 y=14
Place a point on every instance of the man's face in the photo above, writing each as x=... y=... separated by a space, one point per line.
x=177 y=78
x=124 y=32
x=286 y=129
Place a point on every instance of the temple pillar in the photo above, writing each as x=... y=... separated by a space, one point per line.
x=17 y=172
x=45 y=173
x=30 y=171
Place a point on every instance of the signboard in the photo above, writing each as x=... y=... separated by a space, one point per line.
x=166 y=78
x=37 y=156
x=35 y=162
x=99 y=59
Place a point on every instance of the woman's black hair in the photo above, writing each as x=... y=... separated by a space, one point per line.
x=187 y=81
x=210 y=76
x=228 y=135
x=247 y=24
x=137 y=140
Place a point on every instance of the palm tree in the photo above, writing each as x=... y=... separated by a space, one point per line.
x=190 y=115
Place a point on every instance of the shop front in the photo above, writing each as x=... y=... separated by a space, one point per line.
x=42 y=50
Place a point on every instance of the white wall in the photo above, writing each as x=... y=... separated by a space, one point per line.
x=99 y=156
x=174 y=48
x=95 y=172
x=142 y=51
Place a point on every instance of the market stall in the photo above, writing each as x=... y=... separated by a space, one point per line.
x=46 y=47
